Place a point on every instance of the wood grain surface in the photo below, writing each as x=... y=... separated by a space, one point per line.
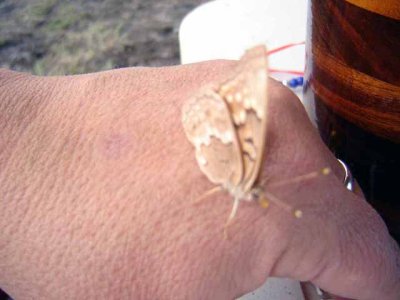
x=388 y=8
x=352 y=90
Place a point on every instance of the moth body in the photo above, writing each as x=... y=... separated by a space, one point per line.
x=226 y=123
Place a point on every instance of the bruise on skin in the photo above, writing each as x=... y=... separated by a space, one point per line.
x=113 y=146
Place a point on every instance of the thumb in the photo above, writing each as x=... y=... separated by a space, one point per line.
x=341 y=245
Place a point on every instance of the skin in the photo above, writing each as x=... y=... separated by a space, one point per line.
x=98 y=184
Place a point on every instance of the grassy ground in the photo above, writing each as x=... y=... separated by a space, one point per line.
x=53 y=37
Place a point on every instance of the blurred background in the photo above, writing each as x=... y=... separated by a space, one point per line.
x=55 y=37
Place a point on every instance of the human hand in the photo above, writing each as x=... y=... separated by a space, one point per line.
x=98 y=183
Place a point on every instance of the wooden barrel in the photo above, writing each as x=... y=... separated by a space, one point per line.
x=352 y=92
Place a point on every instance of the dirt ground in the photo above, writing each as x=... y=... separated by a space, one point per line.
x=55 y=37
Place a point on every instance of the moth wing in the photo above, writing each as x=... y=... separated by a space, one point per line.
x=208 y=126
x=246 y=96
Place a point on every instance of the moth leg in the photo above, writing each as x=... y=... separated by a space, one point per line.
x=301 y=178
x=208 y=193
x=232 y=215
x=271 y=198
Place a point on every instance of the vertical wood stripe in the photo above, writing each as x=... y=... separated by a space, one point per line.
x=387 y=8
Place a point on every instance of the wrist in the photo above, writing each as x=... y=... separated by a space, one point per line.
x=28 y=123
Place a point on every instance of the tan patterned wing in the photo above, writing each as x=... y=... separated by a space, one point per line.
x=246 y=96
x=208 y=126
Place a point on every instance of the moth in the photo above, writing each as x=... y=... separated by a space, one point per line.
x=227 y=125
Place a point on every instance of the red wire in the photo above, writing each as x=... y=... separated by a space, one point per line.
x=287 y=71
x=284 y=47
x=281 y=48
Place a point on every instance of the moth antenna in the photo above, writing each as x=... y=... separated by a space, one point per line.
x=208 y=193
x=323 y=172
x=268 y=197
x=232 y=215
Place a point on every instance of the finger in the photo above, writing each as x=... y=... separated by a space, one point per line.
x=347 y=252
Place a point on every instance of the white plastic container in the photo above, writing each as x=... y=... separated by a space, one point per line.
x=224 y=29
